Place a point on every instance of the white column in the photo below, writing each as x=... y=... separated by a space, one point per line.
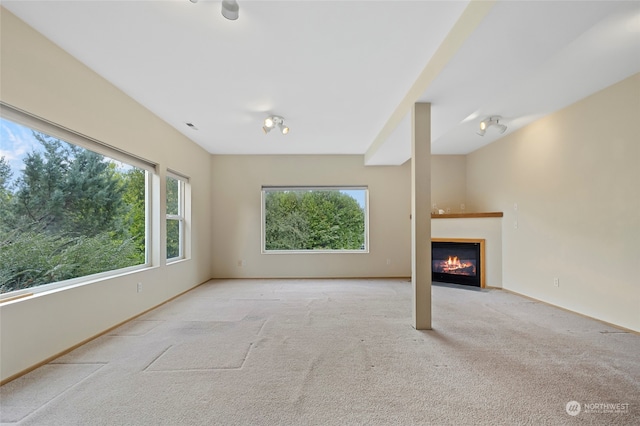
x=421 y=215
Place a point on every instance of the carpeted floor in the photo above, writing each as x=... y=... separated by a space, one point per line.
x=339 y=352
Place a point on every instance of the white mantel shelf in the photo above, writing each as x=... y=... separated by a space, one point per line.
x=465 y=215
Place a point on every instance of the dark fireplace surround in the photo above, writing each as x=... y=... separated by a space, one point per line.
x=458 y=261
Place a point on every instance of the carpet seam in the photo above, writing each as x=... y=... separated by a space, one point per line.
x=35 y=410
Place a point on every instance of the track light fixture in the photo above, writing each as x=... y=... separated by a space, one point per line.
x=491 y=121
x=273 y=121
x=230 y=9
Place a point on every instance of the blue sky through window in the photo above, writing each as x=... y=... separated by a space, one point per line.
x=16 y=142
x=357 y=194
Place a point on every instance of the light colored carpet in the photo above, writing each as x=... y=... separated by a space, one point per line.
x=338 y=352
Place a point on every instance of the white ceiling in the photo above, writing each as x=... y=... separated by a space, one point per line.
x=344 y=74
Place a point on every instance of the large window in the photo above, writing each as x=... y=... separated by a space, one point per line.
x=66 y=211
x=175 y=190
x=315 y=219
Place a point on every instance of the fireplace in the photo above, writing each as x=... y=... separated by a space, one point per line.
x=457 y=261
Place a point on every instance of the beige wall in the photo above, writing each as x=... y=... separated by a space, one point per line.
x=575 y=177
x=236 y=231
x=40 y=78
x=449 y=182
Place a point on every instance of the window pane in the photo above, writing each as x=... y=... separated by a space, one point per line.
x=175 y=219
x=173 y=238
x=173 y=196
x=65 y=211
x=315 y=219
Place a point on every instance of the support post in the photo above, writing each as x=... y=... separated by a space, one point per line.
x=421 y=215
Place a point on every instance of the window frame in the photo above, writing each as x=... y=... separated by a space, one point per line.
x=181 y=217
x=64 y=134
x=268 y=188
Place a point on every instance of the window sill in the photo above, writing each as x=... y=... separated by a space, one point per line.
x=315 y=252
x=51 y=288
x=177 y=260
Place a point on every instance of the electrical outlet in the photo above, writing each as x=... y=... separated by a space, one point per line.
x=388 y=261
x=240 y=263
x=556 y=282
x=139 y=288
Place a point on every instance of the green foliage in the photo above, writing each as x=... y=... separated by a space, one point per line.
x=173 y=195
x=173 y=238
x=5 y=196
x=36 y=258
x=313 y=220
x=69 y=189
x=5 y=175
x=72 y=213
x=134 y=197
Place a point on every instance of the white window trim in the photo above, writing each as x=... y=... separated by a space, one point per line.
x=74 y=282
x=183 y=216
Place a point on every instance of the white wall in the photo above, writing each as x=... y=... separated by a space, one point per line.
x=575 y=177
x=236 y=232
x=40 y=78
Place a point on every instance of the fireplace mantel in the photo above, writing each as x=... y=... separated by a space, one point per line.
x=465 y=215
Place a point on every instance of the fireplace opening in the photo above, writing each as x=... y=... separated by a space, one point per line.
x=457 y=262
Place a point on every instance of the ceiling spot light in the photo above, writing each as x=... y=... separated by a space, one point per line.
x=273 y=121
x=491 y=121
x=230 y=9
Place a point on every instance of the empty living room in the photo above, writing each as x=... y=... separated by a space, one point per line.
x=248 y=212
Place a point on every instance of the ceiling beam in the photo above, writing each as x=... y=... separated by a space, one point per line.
x=471 y=17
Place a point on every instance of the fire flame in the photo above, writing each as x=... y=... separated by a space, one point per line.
x=453 y=265
x=453 y=262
